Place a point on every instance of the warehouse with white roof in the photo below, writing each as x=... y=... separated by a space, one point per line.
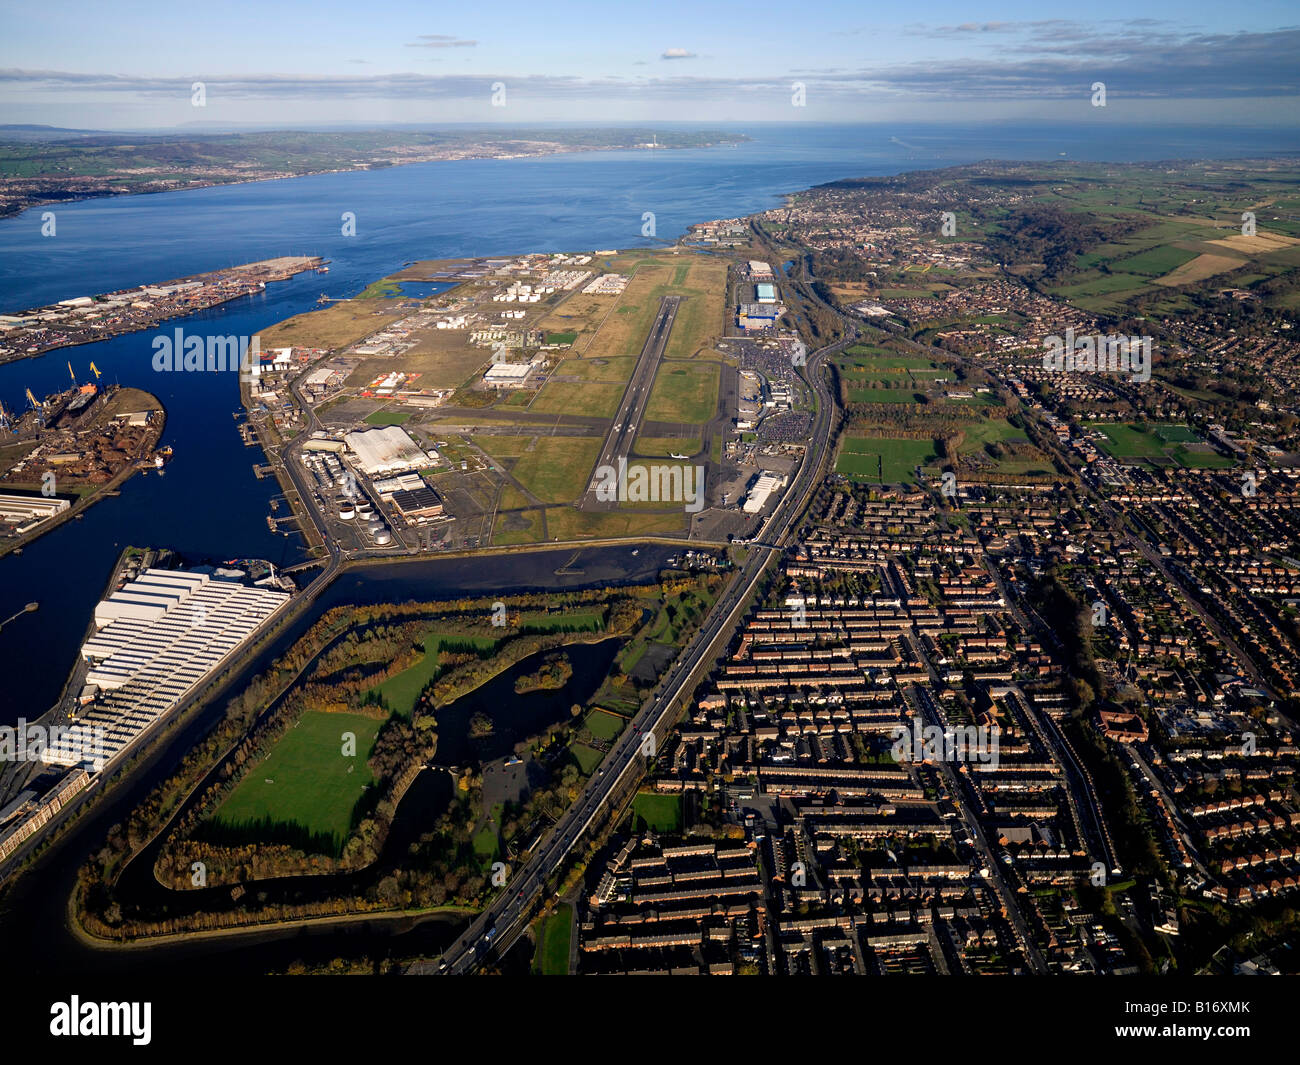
x=386 y=450
x=143 y=666
x=766 y=484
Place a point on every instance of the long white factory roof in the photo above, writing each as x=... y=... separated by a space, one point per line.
x=144 y=666
x=385 y=450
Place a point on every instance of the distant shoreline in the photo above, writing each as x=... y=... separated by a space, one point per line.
x=112 y=181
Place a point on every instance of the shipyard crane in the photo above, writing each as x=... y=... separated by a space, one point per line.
x=71 y=374
x=98 y=375
x=39 y=408
x=4 y=419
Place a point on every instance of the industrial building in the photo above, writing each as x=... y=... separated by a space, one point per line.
x=765 y=293
x=152 y=649
x=26 y=512
x=323 y=379
x=507 y=374
x=149 y=596
x=386 y=450
x=24 y=817
x=762 y=490
x=418 y=504
x=759 y=315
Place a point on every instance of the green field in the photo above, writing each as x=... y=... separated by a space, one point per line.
x=306 y=780
x=684 y=392
x=596 y=398
x=400 y=691
x=1205 y=459
x=883 y=395
x=866 y=357
x=897 y=458
x=1126 y=441
x=554 y=935
x=588 y=758
x=659 y=813
x=387 y=417
x=487 y=840
x=991 y=431
x=1155 y=262
x=555 y=469
x=525 y=527
x=381 y=289
x=570 y=621
x=602 y=725
x=1160 y=444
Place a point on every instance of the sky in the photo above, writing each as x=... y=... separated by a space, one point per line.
x=134 y=65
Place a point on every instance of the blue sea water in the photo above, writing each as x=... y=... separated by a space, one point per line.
x=208 y=503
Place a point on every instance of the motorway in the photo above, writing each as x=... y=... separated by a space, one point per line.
x=506 y=916
x=631 y=408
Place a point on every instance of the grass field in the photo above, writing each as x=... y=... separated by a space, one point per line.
x=603 y=725
x=555 y=469
x=618 y=369
x=388 y=417
x=883 y=395
x=382 y=289
x=334 y=326
x=588 y=758
x=1160 y=444
x=883 y=460
x=625 y=328
x=487 y=840
x=521 y=527
x=399 y=692
x=1206 y=458
x=1156 y=261
x=554 y=935
x=684 y=392
x=659 y=813
x=596 y=398
x=870 y=357
x=1127 y=441
x=305 y=780
x=570 y=621
x=990 y=431
x=700 y=280
x=569 y=523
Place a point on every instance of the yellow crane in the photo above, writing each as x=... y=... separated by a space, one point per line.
x=32 y=400
x=98 y=375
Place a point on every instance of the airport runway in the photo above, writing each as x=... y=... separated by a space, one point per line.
x=631 y=408
x=506 y=917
